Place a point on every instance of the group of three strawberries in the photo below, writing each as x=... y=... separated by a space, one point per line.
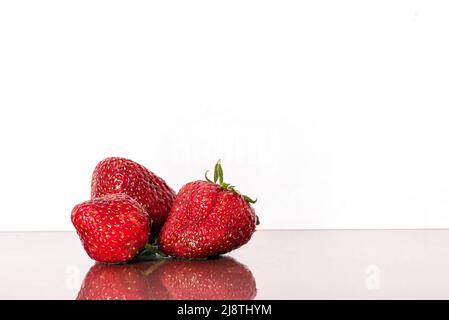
x=133 y=212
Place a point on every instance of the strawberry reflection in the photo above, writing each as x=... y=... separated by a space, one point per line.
x=121 y=282
x=221 y=278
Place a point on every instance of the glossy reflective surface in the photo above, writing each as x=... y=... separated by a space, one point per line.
x=222 y=278
x=343 y=264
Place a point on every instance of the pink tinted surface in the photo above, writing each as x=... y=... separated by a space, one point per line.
x=339 y=264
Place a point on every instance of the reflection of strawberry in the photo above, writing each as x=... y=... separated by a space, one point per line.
x=222 y=278
x=207 y=219
x=119 y=175
x=217 y=279
x=155 y=288
x=113 y=282
x=112 y=228
x=122 y=282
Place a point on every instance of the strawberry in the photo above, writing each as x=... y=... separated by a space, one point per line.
x=119 y=175
x=216 y=279
x=208 y=219
x=113 y=228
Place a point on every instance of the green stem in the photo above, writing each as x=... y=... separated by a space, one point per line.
x=154 y=249
x=218 y=177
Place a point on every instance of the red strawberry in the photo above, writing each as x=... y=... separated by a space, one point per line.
x=113 y=228
x=207 y=219
x=123 y=282
x=216 y=279
x=119 y=175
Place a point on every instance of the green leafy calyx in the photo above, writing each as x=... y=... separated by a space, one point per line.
x=218 y=179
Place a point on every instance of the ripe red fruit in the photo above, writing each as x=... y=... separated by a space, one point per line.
x=207 y=219
x=113 y=228
x=119 y=175
x=216 y=279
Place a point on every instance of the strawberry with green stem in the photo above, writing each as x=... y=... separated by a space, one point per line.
x=208 y=218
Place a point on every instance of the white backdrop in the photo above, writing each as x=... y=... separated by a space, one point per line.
x=333 y=113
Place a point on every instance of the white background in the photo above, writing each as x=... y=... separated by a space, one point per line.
x=333 y=113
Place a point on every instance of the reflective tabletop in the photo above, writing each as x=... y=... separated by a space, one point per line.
x=296 y=264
